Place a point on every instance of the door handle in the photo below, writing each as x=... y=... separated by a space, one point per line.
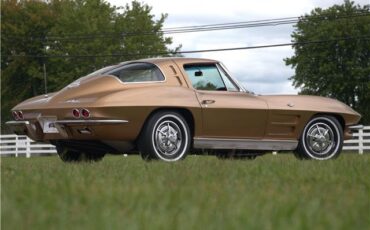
x=206 y=102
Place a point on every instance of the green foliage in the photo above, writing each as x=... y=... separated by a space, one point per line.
x=37 y=28
x=271 y=192
x=337 y=69
x=202 y=85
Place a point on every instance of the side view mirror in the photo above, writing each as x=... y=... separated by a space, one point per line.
x=198 y=73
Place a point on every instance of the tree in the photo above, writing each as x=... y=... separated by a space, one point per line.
x=64 y=27
x=339 y=68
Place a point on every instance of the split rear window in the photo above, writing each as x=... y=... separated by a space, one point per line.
x=138 y=72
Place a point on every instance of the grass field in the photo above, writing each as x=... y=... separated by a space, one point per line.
x=271 y=192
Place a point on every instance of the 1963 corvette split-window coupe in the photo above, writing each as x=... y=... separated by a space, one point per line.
x=167 y=108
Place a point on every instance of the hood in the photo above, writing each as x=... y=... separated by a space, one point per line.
x=310 y=103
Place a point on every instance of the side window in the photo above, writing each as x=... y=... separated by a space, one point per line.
x=138 y=72
x=205 y=77
x=229 y=84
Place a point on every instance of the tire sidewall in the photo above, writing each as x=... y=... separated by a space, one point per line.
x=338 y=137
x=156 y=120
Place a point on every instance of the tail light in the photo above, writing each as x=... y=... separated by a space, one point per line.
x=76 y=113
x=20 y=115
x=85 y=113
x=15 y=115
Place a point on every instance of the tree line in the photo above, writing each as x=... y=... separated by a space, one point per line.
x=38 y=28
x=337 y=69
x=87 y=30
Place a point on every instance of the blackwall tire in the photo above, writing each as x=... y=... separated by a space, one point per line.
x=166 y=136
x=67 y=155
x=70 y=156
x=321 y=139
x=93 y=157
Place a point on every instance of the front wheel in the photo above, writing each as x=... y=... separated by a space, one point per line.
x=322 y=139
x=166 y=136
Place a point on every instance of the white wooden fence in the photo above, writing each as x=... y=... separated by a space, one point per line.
x=22 y=145
x=360 y=141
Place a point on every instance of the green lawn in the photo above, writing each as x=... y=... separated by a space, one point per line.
x=271 y=192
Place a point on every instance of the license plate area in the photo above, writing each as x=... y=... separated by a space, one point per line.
x=48 y=124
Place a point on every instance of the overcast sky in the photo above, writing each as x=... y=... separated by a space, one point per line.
x=260 y=70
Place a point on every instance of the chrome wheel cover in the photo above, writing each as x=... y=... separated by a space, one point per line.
x=168 y=138
x=320 y=138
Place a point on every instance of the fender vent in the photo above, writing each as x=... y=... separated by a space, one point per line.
x=173 y=69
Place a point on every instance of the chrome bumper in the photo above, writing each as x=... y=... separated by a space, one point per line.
x=62 y=125
x=90 y=122
x=23 y=128
x=36 y=133
x=16 y=123
x=348 y=131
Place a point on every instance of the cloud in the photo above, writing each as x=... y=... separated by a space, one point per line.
x=278 y=88
x=260 y=70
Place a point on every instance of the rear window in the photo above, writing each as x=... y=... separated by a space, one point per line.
x=138 y=72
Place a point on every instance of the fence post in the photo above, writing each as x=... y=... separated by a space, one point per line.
x=360 y=141
x=16 y=146
x=28 y=149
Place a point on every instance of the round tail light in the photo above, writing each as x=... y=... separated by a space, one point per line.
x=20 y=115
x=15 y=115
x=76 y=113
x=85 y=113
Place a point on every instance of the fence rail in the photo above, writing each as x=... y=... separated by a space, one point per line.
x=22 y=145
x=360 y=141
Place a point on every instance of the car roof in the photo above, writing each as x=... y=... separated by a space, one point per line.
x=164 y=60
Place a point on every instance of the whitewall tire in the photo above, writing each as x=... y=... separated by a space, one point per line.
x=321 y=139
x=166 y=136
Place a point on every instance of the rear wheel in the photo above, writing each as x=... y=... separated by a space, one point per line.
x=68 y=155
x=166 y=136
x=322 y=139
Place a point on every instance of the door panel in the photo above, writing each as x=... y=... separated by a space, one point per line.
x=232 y=114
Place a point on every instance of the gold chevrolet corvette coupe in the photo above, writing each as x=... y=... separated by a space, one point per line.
x=166 y=108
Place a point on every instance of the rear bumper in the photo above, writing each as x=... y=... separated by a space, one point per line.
x=356 y=127
x=349 y=129
x=24 y=128
x=67 y=129
x=83 y=127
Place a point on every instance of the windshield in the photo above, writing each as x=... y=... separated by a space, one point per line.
x=237 y=82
